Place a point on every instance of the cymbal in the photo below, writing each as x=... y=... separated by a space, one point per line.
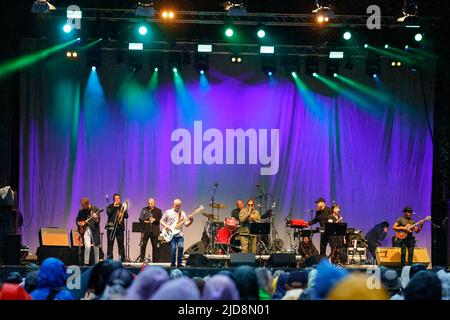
x=217 y=205
x=208 y=215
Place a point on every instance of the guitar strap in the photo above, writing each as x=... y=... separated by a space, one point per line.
x=179 y=216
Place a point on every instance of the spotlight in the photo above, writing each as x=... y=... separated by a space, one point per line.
x=418 y=37
x=156 y=61
x=406 y=47
x=145 y=10
x=168 y=14
x=332 y=68
x=324 y=13
x=395 y=64
x=366 y=45
x=261 y=33
x=373 y=67
x=335 y=75
x=229 y=32
x=156 y=69
x=235 y=8
x=201 y=63
x=42 y=6
x=94 y=68
x=311 y=65
x=347 y=35
x=386 y=46
x=175 y=70
x=67 y=28
x=294 y=74
x=269 y=65
x=314 y=74
x=75 y=54
x=93 y=58
x=69 y=54
x=143 y=30
x=235 y=59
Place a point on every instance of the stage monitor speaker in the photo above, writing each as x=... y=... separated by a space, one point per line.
x=239 y=259
x=12 y=249
x=67 y=255
x=282 y=260
x=163 y=251
x=197 y=260
x=53 y=237
x=391 y=257
x=198 y=247
x=75 y=238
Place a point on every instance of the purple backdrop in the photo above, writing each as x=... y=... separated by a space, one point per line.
x=81 y=137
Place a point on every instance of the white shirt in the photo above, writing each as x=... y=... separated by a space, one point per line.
x=170 y=217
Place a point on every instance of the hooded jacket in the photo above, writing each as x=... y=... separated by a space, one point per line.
x=52 y=281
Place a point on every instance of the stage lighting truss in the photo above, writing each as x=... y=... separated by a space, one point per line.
x=324 y=13
x=235 y=8
x=42 y=6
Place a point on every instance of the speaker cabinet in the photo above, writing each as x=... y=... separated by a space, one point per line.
x=391 y=257
x=282 y=260
x=198 y=247
x=197 y=260
x=163 y=251
x=57 y=237
x=75 y=238
x=12 y=249
x=239 y=259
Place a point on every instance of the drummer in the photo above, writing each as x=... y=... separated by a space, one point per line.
x=239 y=207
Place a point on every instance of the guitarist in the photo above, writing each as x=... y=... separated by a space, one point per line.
x=150 y=217
x=91 y=234
x=409 y=242
x=169 y=218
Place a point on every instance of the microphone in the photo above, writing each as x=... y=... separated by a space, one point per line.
x=107 y=197
x=258 y=185
x=216 y=184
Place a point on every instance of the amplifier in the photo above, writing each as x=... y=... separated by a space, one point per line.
x=53 y=237
x=75 y=238
x=390 y=257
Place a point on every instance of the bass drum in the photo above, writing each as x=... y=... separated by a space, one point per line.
x=235 y=243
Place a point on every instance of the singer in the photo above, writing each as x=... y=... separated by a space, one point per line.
x=246 y=216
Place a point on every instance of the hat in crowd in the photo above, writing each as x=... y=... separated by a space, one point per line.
x=200 y=282
x=445 y=283
x=177 y=289
x=415 y=269
x=14 y=277
x=175 y=274
x=31 y=281
x=220 y=287
x=408 y=209
x=298 y=279
x=321 y=199
x=13 y=291
x=246 y=282
x=327 y=277
x=424 y=286
x=355 y=287
x=147 y=282
x=391 y=280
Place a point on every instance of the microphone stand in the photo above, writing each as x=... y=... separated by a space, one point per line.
x=212 y=243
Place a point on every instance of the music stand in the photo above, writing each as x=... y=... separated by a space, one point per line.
x=260 y=228
x=337 y=230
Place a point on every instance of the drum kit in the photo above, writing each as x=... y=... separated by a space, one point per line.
x=223 y=235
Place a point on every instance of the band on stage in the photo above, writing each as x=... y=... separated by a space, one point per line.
x=236 y=233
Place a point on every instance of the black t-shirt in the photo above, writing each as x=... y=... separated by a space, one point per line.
x=322 y=217
x=235 y=213
x=403 y=221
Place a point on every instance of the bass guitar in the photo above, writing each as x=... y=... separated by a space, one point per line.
x=402 y=234
x=175 y=228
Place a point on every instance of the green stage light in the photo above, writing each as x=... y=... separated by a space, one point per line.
x=261 y=33
x=366 y=45
x=67 y=28
x=229 y=32
x=386 y=46
x=418 y=37
x=156 y=69
x=335 y=75
x=294 y=74
x=347 y=35
x=315 y=74
x=406 y=47
x=143 y=30
x=175 y=70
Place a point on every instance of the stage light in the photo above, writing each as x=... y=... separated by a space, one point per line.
x=75 y=54
x=42 y=6
x=261 y=33
x=176 y=61
x=267 y=49
x=229 y=32
x=290 y=65
x=294 y=74
x=72 y=54
x=335 y=75
x=69 y=54
x=418 y=37
x=235 y=59
x=201 y=62
x=67 y=28
x=235 y=8
x=143 y=30
x=311 y=65
x=94 y=68
x=175 y=70
x=269 y=73
x=269 y=65
x=366 y=45
x=386 y=46
x=406 y=47
x=204 y=48
x=314 y=74
x=168 y=14
x=347 y=35
x=395 y=64
x=375 y=76
x=156 y=69
x=323 y=12
x=336 y=55
x=145 y=10
x=202 y=72
x=135 y=46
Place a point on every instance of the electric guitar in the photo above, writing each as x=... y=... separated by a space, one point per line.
x=83 y=224
x=402 y=234
x=175 y=228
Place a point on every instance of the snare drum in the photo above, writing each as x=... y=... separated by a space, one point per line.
x=231 y=223
x=223 y=236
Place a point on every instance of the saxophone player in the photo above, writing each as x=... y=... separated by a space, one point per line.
x=246 y=216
